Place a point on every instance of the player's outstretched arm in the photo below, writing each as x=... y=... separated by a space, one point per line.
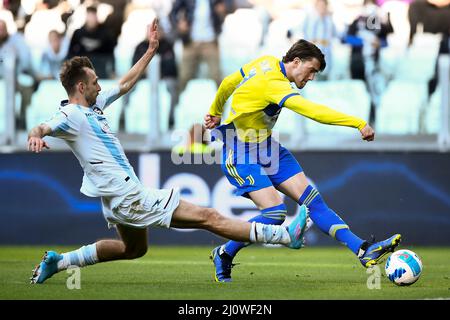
x=326 y=115
x=134 y=74
x=35 y=138
x=226 y=88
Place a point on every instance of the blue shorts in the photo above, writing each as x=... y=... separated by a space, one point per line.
x=254 y=166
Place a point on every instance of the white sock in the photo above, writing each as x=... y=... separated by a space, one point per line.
x=268 y=233
x=84 y=256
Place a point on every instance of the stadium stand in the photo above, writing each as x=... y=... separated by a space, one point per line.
x=418 y=64
x=246 y=34
x=133 y=32
x=36 y=32
x=276 y=43
x=43 y=105
x=401 y=107
x=139 y=109
x=44 y=102
x=3 y=104
x=194 y=102
x=348 y=96
x=240 y=39
x=433 y=113
x=340 y=66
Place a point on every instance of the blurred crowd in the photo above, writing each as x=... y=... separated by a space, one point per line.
x=43 y=33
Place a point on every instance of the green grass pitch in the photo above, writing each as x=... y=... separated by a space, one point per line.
x=186 y=273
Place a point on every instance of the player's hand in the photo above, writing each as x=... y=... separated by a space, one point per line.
x=153 y=35
x=37 y=144
x=367 y=133
x=211 y=121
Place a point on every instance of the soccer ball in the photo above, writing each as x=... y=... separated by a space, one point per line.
x=403 y=267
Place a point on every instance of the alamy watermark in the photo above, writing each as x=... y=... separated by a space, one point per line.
x=74 y=280
x=374 y=279
x=262 y=147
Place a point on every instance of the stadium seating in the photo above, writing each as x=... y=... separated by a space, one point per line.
x=45 y=102
x=340 y=65
x=3 y=105
x=419 y=61
x=134 y=30
x=37 y=30
x=398 y=11
x=276 y=42
x=433 y=113
x=139 y=108
x=194 y=102
x=389 y=60
x=417 y=65
x=401 y=107
x=240 y=39
x=78 y=18
x=348 y=96
x=41 y=23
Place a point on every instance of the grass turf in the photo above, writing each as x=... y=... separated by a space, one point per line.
x=187 y=273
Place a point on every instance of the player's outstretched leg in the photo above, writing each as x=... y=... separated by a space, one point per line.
x=133 y=244
x=223 y=262
x=297 y=187
x=329 y=222
x=52 y=262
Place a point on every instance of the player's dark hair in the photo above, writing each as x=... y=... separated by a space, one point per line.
x=72 y=71
x=305 y=51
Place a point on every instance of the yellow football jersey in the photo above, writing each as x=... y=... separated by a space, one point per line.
x=259 y=90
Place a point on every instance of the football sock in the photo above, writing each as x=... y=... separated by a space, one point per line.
x=328 y=221
x=268 y=233
x=84 y=256
x=274 y=215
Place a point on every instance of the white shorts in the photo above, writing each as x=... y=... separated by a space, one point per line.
x=141 y=208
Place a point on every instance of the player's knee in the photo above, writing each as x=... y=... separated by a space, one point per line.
x=134 y=253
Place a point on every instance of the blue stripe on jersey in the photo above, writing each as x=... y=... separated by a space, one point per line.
x=287 y=97
x=63 y=127
x=110 y=145
x=111 y=99
x=283 y=69
x=242 y=73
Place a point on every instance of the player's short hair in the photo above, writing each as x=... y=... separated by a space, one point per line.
x=305 y=51
x=72 y=71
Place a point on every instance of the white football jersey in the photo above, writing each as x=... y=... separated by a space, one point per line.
x=107 y=171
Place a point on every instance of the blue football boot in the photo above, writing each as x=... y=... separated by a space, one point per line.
x=47 y=268
x=298 y=227
x=372 y=252
x=222 y=264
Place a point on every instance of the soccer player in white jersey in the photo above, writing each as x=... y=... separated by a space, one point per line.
x=126 y=203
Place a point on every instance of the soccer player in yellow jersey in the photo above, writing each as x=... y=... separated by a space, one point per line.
x=258 y=166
